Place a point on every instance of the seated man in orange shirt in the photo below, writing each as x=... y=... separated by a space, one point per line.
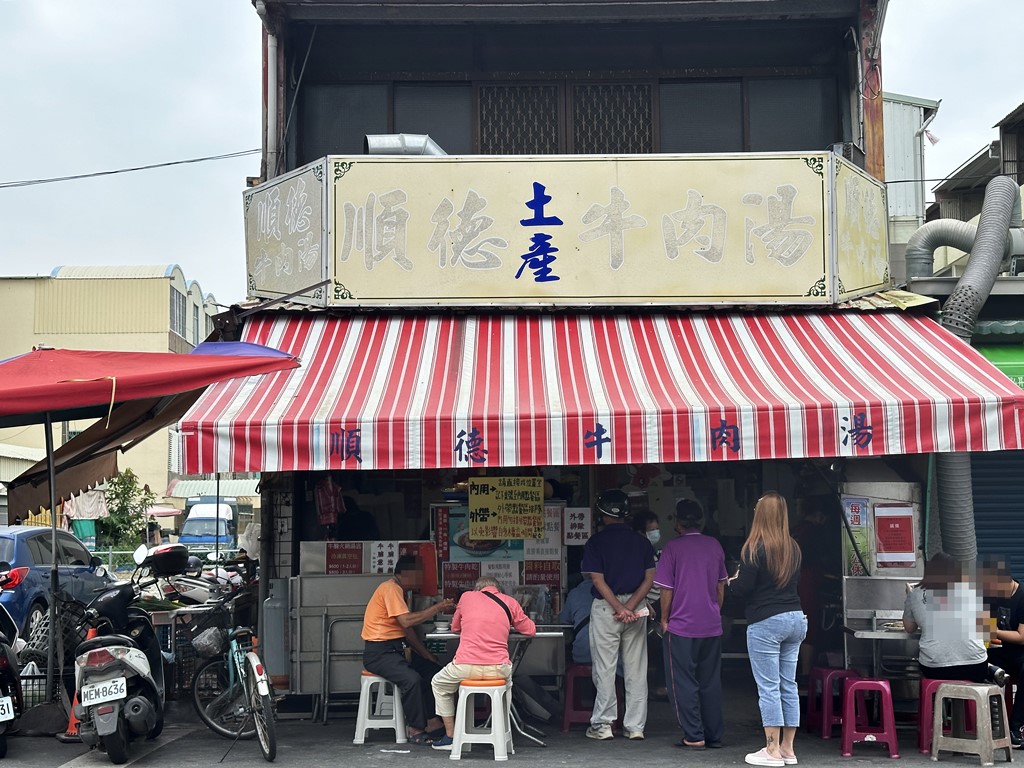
x=483 y=621
x=387 y=628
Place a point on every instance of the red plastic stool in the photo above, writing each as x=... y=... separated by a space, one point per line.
x=821 y=714
x=574 y=711
x=855 y=726
x=925 y=710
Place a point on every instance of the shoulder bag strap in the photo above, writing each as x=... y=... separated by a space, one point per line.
x=504 y=607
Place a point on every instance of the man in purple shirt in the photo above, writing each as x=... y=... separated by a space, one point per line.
x=620 y=562
x=692 y=576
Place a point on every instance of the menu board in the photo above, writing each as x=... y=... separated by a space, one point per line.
x=458 y=578
x=549 y=547
x=895 y=543
x=344 y=557
x=464 y=547
x=503 y=508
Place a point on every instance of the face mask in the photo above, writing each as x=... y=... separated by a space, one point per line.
x=654 y=536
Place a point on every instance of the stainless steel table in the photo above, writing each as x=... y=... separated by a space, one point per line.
x=877 y=636
x=518 y=644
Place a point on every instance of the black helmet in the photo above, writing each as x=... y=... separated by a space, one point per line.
x=613 y=503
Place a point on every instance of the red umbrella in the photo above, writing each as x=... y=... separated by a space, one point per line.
x=73 y=384
x=47 y=385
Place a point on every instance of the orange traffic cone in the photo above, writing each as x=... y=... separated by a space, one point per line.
x=70 y=735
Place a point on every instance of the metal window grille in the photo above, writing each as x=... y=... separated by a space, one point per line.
x=519 y=119
x=613 y=118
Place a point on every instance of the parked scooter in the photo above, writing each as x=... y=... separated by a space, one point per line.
x=119 y=669
x=12 y=701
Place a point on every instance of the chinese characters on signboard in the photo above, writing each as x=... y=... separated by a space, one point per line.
x=576 y=525
x=895 y=543
x=458 y=578
x=344 y=557
x=549 y=547
x=502 y=508
x=856 y=510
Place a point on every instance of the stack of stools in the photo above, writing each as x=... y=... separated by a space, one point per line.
x=992 y=730
x=925 y=708
x=855 y=716
x=822 y=715
x=574 y=711
x=376 y=714
x=498 y=733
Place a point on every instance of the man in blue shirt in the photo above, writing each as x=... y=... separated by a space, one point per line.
x=576 y=611
x=620 y=562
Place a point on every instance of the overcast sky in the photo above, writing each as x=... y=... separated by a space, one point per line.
x=92 y=85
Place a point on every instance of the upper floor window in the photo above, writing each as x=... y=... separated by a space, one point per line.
x=178 y=312
x=196 y=328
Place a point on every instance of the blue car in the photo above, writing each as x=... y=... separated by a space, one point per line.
x=26 y=587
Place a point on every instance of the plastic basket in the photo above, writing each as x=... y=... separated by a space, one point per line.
x=209 y=642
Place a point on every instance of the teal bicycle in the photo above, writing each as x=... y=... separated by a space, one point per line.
x=231 y=691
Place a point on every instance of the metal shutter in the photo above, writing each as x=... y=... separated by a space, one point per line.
x=998 y=505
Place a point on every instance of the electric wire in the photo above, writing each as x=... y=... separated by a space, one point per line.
x=96 y=174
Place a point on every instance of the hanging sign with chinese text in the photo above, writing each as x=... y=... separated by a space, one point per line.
x=502 y=508
x=784 y=228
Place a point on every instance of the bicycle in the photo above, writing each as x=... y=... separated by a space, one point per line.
x=232 y=690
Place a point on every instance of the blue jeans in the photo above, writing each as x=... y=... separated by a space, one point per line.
x=773 y=645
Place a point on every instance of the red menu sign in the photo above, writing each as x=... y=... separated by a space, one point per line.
x=895 y=543
x=547 y=572
x=344 y=557
x=441 y=532
x=458 y=578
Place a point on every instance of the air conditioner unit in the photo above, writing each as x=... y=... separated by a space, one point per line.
x=851 y=152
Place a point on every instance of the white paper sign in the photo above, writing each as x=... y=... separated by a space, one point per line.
x=550 y=547
x=577 y=525
x=383 y=556
x=506 y=573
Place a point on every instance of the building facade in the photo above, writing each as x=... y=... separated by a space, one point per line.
x=138 y=309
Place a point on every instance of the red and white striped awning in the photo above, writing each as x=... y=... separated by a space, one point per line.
x=431 y=391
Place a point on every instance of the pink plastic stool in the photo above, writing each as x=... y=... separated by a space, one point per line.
x=574 y=711
x=855 y=726
x=925 y=711
x=821 y=714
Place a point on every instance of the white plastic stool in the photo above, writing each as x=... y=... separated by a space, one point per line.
x=499 y=733
x=371 y=715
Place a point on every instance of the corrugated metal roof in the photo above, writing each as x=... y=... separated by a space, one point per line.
x=21 y=452
x=183 y=489
x=117 y=272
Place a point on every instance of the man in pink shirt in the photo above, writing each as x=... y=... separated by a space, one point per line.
x=483 y=620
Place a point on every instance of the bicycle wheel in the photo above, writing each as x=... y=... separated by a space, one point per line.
x=222 y=707
x=261 y=705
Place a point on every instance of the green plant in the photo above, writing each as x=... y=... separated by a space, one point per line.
x=127 y=504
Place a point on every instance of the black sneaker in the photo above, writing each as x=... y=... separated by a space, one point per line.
x=1017 y=737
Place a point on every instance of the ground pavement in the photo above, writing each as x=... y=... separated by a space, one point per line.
x=186 y=743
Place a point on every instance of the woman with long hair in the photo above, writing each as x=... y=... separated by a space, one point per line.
x=948 y=610
x=767 y=581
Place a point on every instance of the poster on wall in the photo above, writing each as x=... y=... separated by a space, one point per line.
x=855 y=508
x=463 y=548
x=895 y=542
x=503 y=508
x=344 y=557
x=505 y=572
x=576 y=528
x=548 y=547
x=458 y=578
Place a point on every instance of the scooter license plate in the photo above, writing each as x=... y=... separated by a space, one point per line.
x=108 y=690
x=6 y=709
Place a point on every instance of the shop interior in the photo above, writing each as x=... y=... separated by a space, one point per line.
x=388 y=512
